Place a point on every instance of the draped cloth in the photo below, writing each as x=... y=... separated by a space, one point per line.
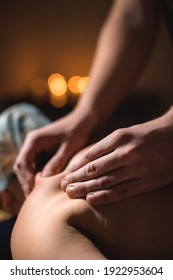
x=15 y=123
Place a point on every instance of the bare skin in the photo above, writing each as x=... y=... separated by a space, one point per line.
x=50 y=225
x=129 y=33
x=127 y=162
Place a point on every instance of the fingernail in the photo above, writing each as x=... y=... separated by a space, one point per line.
x=91 y=197
x=26 y=193
x=71 y=190
x=91 y=194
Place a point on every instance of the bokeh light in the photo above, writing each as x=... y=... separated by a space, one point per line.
x=57 y=84
x=58 y=90
x=82 y=83
x=73 y=84
x=58 y=101
x=58 y=87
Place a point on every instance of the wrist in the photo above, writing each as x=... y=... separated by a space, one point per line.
x=83 y=121
x=86 y=119
x=167 y=118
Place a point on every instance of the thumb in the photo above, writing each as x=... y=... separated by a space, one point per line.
x=58 y=162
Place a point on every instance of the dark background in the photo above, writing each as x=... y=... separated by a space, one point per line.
x=41 y=37
x=38 y=38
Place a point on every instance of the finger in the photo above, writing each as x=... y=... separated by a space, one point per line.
x=101 y=148
x=58 y=162
x=27 y=189
x=24 y=166
x=25 y=176
x=95 y=168
x=38 y=177
x=109 y=180
x=29 y=149
x=117 y=193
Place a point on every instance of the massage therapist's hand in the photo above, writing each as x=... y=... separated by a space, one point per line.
x=129 y=161
x=61 y=139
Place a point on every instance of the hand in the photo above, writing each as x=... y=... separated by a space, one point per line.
x=61 y=139
x=128 y=162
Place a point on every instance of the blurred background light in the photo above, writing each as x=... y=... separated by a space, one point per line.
x=58 y=90
x=82 y=83
x=73 y=84
x=58 y=101
x=57 y=84
x=77 y=84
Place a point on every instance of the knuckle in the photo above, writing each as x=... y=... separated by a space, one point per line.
x=134 y=152
x=101 y=183
x=131 y=151
x=118 y=134
x=104 y=182
x=31 y=137
x=17 y=167
x=81 y=190
x=122 y=136
x=89 y=155
x=92 y=170
x=111 y=180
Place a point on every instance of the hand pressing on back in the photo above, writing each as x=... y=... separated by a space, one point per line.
x=127 y=162
x=60 y=139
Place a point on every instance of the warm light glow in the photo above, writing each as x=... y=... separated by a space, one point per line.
x=39 y=87
x=82 y=83
x=58 y=89
x=73 y=84
x=57 y=84
x=58 y=101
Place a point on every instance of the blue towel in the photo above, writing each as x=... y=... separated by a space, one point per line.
x=15 y=123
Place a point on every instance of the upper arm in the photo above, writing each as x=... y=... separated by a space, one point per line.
x=136 y=14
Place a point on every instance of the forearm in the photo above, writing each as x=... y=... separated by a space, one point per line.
x=124 y=45
x=166 y=120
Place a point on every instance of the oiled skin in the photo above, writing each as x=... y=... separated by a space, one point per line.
x=50 y=225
